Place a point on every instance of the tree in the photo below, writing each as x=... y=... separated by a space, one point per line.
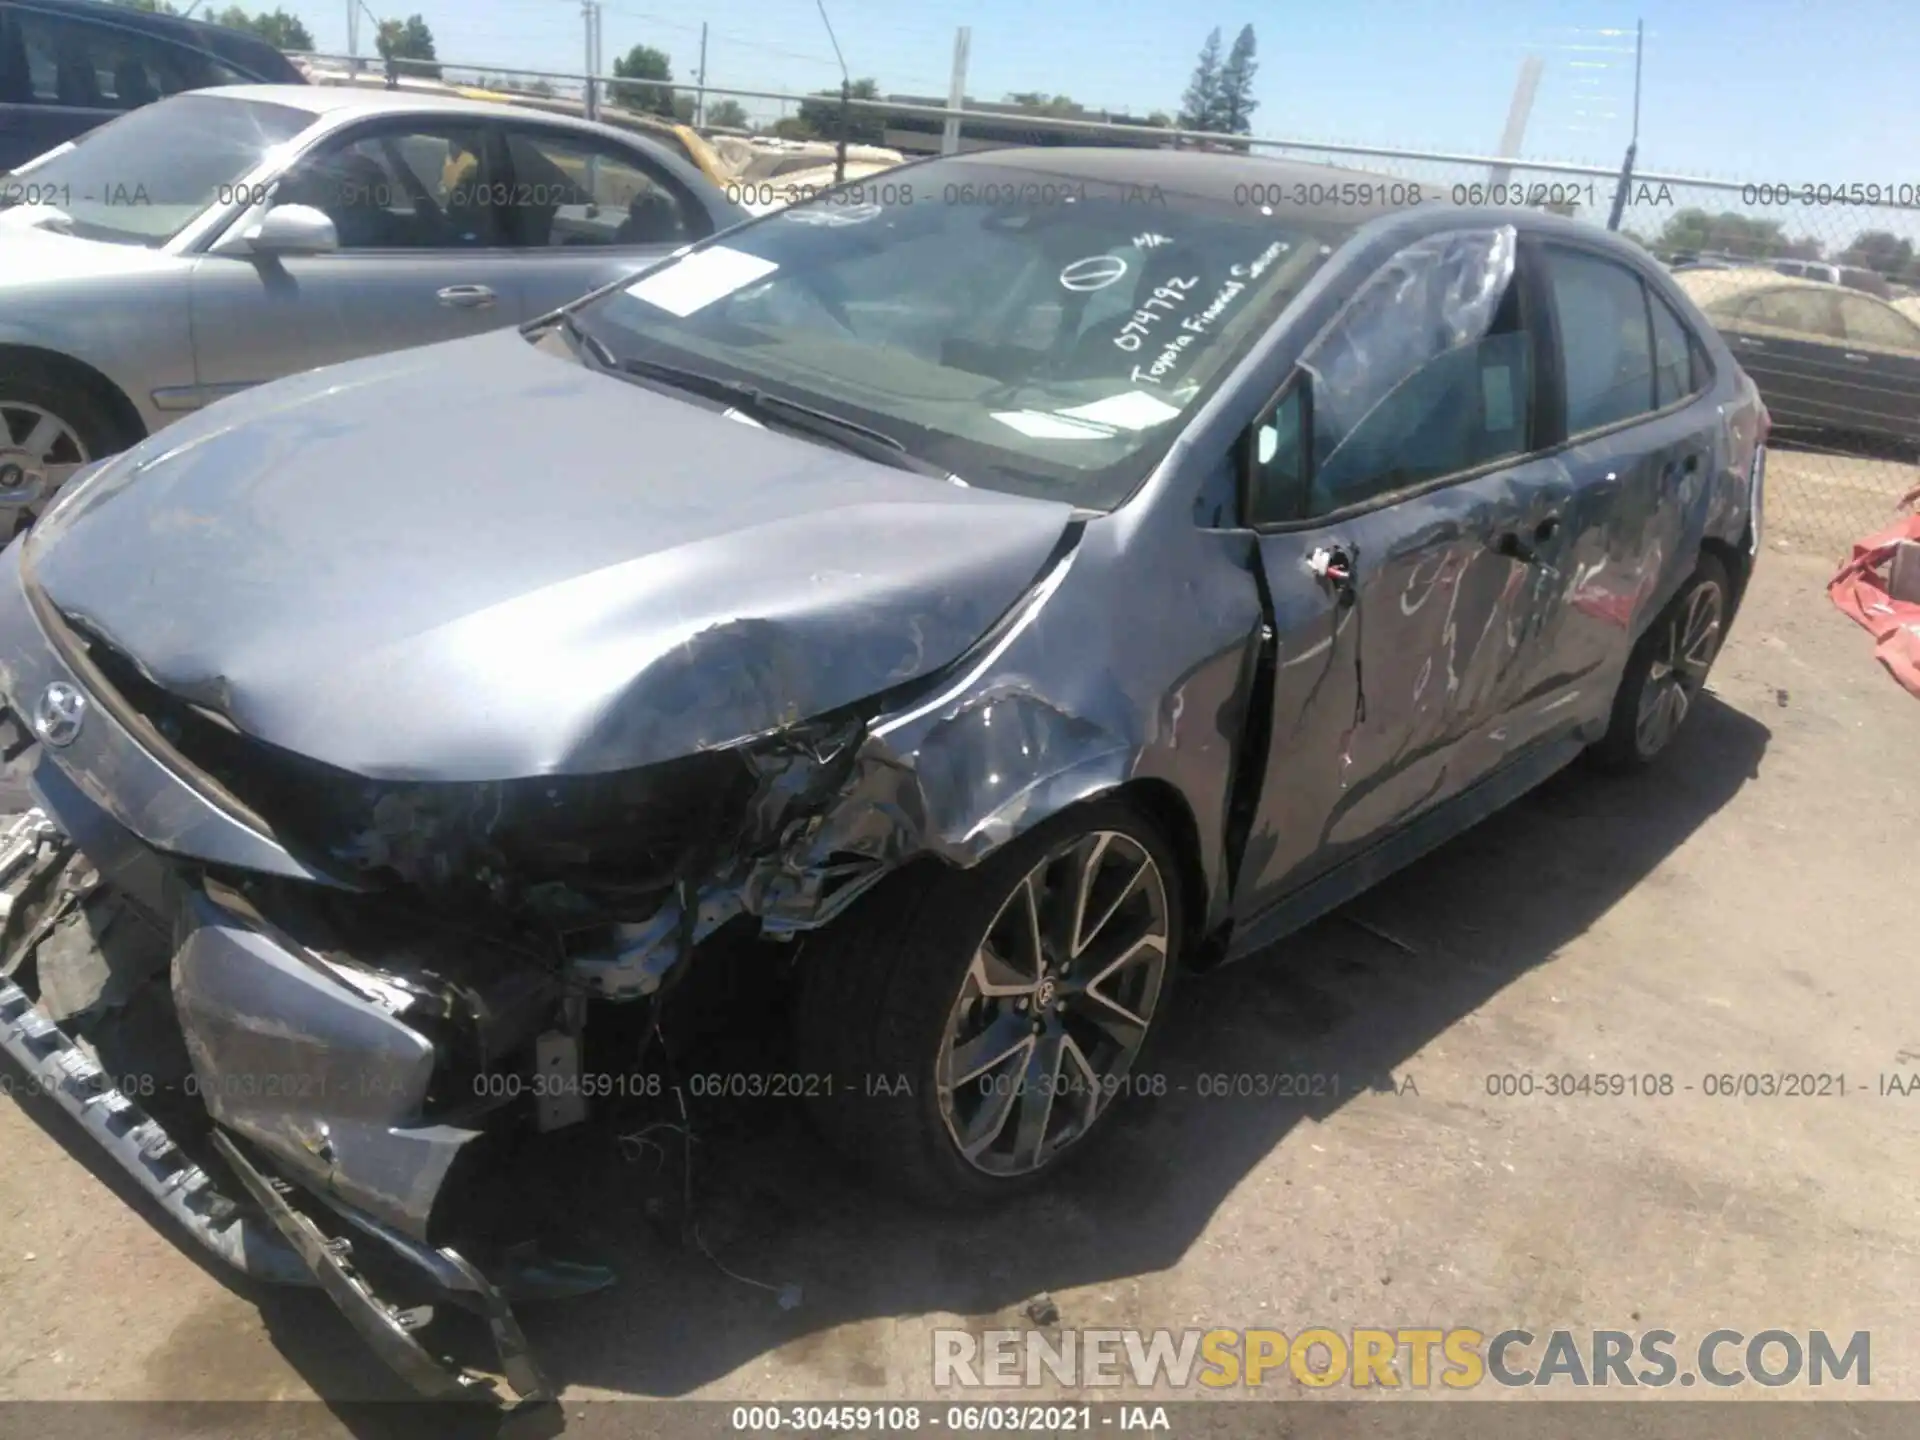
x=408 y=40
x=1041 y=103
x=278 y=28
x=1201 y=104
x=643 y=62
x=516 y=84
x=1235 y=106
x=1879 y=250
x=728 y=114
x=1696 y=230
x=792 y=127
x=150 y=7
x=821 y=113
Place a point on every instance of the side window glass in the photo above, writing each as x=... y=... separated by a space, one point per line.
x=1278 y=470
x=1673 y=356
x=75 y=62
x=1870 y=324
x=1606 y=354
x=1461 y=410
x=576 y=192
x=1808 y=312
x=424 y=189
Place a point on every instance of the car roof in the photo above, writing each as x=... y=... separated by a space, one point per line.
x=227 y=43
x=332 y=99
x=1705 y=285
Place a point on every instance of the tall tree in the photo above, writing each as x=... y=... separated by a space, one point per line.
x=822 y=114
x=727 y=113
x=1200 y=106
x=1880 y=250
x=409 y=40
x=1234 y=108
x=643 y=62
x=278 y=28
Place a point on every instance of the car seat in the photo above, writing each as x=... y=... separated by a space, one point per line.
x=652 y=219
x=132 y=84
x=77 y=82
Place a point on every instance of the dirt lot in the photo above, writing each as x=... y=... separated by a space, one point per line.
x=1744 y=908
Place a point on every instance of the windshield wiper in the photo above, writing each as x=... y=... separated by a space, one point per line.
x=849 y=435
x=583 y=340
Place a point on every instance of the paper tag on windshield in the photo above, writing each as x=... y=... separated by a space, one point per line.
x=1135 y=410
x=700 y=279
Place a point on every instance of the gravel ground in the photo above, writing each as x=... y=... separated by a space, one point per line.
x=1740 y=909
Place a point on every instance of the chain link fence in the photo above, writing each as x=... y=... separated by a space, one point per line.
x=1815 y=285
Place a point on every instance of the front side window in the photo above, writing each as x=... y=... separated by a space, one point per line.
x=1810 y=312
x=134 y=181
x=1606 y=349
x=1031 y=332
x=421 y=187
x=576 y=190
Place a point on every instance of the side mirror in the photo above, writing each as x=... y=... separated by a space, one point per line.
x=290 y=230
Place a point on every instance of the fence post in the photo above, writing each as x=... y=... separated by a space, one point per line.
x=846 y=120
x=956 y=92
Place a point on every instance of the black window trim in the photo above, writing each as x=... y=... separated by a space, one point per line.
x=1545 y=422
x=11 y=34
x=690 y=204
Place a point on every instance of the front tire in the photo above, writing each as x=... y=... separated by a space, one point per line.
x=1667 y=670
x=52 y=426
x=965 y=1031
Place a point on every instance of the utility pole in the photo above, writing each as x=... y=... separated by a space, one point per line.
x=590 y=16
x=956 y=92
x=700 y=95
x=1517 y=114
x=353 y=36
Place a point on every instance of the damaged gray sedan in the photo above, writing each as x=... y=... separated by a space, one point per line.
x=991 y=593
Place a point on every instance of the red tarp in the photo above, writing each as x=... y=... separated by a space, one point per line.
x=1860 y=590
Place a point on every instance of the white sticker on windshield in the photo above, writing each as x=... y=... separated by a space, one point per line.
x=699 y=280
x=1135 y=410
x=1041 y=426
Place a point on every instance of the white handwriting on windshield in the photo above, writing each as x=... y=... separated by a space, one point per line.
x=1162 y=302
x=1192 y=329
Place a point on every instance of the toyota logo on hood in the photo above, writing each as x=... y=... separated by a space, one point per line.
x=58 y=716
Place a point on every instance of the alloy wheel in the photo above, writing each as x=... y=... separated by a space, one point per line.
x=33 y=438
x=1689 y=641
x=1055 y=1005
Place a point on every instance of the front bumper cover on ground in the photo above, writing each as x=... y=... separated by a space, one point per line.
x=273 y=1239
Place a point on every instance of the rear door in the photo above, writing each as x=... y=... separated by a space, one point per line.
x=583 y=210
x=422 y=258
x=1410 y=537
x=1882 y=356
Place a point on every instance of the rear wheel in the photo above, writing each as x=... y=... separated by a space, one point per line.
x=51 y=427
x=976 y=1026
x=1668 y=669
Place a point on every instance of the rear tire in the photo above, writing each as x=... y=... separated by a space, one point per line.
x=959 y=1043
x=1667 y=670
x=49 y=422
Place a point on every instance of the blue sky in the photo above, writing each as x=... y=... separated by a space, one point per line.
x=1764 y=89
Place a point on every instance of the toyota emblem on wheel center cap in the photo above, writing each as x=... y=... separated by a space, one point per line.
x=59 y=714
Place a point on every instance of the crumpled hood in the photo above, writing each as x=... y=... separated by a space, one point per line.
x=476 y=561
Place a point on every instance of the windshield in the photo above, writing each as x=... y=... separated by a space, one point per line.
x=143 y=178
x=1040 y=334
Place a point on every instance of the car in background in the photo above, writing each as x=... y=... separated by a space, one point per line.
x=1025 y=602
x=1851 y=276
x=282 y=227
x=69 y=65
x=1826 y=358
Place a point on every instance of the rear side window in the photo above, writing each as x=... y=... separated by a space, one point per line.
x=87 y=65
x=1676 y=373
x=1870 y=323
x=1800 y=312
x=1606 y=350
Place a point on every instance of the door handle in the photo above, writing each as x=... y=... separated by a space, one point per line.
x=1524 y=546
x=467 y=297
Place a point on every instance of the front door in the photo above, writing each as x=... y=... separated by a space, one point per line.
x=421 y=259
x=1411 y=541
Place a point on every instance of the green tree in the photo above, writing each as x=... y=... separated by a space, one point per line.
x=1041 y=103
x=793 y=127
x=278 y=28
x=1200 y=106
x=150 y=7
x=821 y=112
x=1879 y=250
x=409 y=40
x=1235 y=106
x=643 y=62
x=728 y=114
x=1695 y=229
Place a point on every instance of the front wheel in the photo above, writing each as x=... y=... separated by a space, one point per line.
x=969 y=1029
x=1667 y=670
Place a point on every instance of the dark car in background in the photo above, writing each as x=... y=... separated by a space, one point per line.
x=69 y=65
x=1827 y=358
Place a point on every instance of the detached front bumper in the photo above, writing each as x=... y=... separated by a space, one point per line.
x=246 y=998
